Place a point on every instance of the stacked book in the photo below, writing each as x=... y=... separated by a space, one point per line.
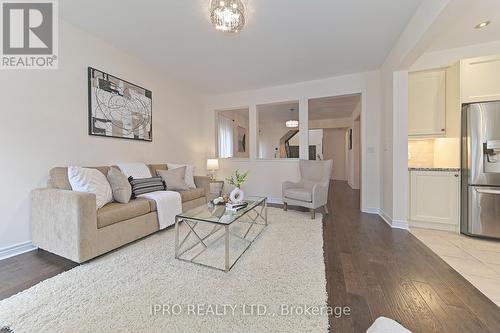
x=234 y=207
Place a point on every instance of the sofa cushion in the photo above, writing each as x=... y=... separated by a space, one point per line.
x=122 y=191
x=174 y=179
x=58 y=177
x=193 y=194
x=92 y=181
x=189 y=176
x=300 y=194
x=117 y=212
x=146 y=185
x=154 y=167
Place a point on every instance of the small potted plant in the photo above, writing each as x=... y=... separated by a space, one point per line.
x=237 y=180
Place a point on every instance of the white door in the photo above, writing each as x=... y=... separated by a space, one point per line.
x=427 y=103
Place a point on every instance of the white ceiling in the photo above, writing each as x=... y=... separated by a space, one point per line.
x=461 y=31
x=232 y=114
x=284 y=41
x=333 y=107
x=277 y=112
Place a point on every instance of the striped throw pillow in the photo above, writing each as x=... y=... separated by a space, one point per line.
x=146 y=185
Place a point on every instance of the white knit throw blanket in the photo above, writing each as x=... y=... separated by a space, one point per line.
x=168 y=205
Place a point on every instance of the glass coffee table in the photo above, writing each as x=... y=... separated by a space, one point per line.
x=209 y=231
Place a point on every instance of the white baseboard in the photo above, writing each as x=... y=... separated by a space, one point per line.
x=14 y=250
x=396 y=224
x=434 y=226
x=371 y=210
x=387 y=219
x=400 y=224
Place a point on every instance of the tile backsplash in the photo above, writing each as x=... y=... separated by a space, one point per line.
x=434 y=153
x=421 y=153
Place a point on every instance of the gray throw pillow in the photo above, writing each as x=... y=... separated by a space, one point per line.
x=122 y=191
x=174 y=179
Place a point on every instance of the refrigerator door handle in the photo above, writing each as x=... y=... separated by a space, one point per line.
x=487 y=191
x=491 y=150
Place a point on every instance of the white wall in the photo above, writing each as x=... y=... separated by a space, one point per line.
x=445 y=58
x=316 y=139
x=265 y=177
x=334 y=148
x=240 y=119
x=44 y=124
x=353 y=157
x=414 y=40
x=331 y=123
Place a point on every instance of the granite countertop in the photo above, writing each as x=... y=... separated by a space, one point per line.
x=434 y=169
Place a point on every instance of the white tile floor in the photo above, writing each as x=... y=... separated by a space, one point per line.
x=478 y=260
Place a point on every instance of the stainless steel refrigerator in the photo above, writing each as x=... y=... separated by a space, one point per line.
x=480 y=194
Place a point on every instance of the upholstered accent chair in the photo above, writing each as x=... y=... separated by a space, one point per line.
x=312 y=189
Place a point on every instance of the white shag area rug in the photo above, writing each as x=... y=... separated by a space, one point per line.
x=142 y=288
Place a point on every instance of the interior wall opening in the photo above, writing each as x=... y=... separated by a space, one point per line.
x=278 y=130
x=232 y=133
x=335 y=133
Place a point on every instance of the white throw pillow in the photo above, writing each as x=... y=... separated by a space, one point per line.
x=189 y=179
x=90 y=181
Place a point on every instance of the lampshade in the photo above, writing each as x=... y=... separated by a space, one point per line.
x=212 y=164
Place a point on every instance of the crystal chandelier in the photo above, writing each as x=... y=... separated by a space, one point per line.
x=227 y=15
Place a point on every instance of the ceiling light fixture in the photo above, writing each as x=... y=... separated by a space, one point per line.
x=292 y=123
x=228 y=15
x=483 y=24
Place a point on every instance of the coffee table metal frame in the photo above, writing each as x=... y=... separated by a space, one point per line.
x=259 y=208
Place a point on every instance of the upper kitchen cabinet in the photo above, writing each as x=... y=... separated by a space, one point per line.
x=480 y=79
x=427 y=103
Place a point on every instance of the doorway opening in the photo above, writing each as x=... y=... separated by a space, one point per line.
x=335 y=131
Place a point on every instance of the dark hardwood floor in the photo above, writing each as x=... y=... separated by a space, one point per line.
x=379 y=271
x=27 y=269
x=371 y=268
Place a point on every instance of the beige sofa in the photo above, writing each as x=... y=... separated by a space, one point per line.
x=68 y=224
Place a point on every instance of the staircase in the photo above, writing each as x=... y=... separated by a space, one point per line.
x=284 y=143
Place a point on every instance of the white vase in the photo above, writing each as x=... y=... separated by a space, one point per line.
x=237 y=195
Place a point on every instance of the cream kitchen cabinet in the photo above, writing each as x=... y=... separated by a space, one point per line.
x=435 y=200
x=480 y=79
x=427 y=103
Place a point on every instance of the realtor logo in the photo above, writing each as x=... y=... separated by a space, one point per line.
x=29 y=35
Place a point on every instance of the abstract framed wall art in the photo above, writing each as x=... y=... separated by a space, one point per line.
x=118 y=108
